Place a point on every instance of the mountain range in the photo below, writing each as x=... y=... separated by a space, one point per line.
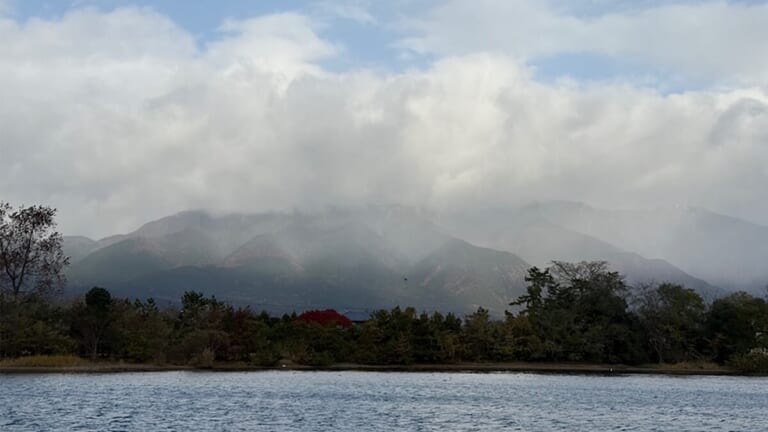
x=382 y=256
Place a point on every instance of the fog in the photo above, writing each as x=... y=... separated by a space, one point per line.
x=118 y=117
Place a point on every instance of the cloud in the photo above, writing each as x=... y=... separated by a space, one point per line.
x=712 y=41
x=116 y=118
x=356 y=11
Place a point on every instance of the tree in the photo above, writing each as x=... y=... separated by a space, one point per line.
x=30 y=325
x=198 y=330
x=736 y=324
x=671 y=316
x=141 y=330
x=478 y=333
x=539 y=282
x=93 y=320
x=31 y=256
x=579 y=313
x=327 y=317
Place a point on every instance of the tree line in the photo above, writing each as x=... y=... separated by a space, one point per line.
x=570 y=312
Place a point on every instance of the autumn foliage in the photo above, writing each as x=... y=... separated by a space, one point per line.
x=326 y=318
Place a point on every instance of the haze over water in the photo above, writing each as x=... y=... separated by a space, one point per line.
x=366 y=401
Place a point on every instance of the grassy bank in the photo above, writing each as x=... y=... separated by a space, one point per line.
x=70 y=363
x=73 y=364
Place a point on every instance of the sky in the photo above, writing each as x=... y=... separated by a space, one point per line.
x=119 y=112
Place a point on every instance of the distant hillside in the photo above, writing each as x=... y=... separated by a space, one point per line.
x=725 y=251
x=382 y=256
x=78 y=247
x=539 y=241
x=459 y=273
x=376 y=257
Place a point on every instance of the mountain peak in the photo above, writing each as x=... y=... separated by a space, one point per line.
x=177 y=222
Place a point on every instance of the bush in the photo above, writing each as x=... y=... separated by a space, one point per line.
x=263 y=358
x=321 y=359
x=205 y=359
x=755 y=361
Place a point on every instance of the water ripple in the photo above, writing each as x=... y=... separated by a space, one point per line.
x=367 y=401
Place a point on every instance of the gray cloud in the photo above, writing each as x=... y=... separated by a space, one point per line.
x=118 y=117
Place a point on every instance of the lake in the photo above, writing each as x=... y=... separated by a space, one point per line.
x=372 y=401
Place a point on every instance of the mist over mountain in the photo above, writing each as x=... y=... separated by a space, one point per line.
x=117 y=113
x=348 y=259
x=725 y=251
x=381 y=256
x=530 y=233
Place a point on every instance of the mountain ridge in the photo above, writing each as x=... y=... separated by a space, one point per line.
x=355 y=259
x=377 y=256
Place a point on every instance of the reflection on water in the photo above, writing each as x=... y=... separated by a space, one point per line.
x=368 y=401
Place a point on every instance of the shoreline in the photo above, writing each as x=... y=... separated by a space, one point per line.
x=522 y=367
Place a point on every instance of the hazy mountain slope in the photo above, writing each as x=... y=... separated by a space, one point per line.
x=250 y=287
x=227 y=232
x=408 y=231
x=537 y=240
x=78 y=247
x=346 y=259
x=263 y=249
x=459 y=273
x=457 y=277
x=119 y=262
x=381 y=256
x=724 y=250
x=296 y=267
x=137 y=256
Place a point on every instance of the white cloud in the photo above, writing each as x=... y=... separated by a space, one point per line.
x=116 y=118
x=352 y=10
x=714 y=41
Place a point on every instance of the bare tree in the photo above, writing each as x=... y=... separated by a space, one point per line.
x=31 y=256
x=584 y=270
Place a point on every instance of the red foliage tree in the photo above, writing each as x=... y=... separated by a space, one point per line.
x=328 y=317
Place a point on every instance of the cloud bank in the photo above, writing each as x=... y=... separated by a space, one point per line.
x=709 y=41
x=121 y=116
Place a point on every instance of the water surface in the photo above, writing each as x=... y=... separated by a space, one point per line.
x=370 y=401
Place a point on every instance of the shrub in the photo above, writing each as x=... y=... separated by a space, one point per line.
x=755 y=361
x=205 y=359
x=263 y=358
